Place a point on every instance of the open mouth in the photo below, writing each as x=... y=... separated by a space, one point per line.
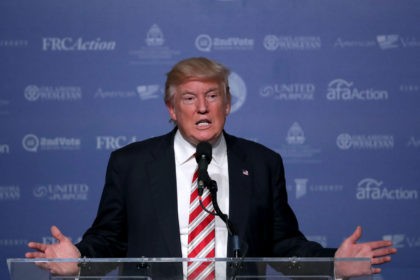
x=203 y=123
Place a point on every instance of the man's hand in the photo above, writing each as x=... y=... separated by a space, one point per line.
x=377 y=251
x=64 y=248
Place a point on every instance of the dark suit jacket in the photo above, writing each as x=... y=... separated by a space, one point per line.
x=138 y=217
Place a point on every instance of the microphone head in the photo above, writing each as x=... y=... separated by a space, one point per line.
x=203 y=150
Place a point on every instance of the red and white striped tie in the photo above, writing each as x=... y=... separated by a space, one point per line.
x=201 y=234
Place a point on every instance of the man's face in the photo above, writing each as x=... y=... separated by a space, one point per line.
x=199 y=108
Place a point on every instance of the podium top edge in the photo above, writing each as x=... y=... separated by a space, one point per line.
x=145 y=260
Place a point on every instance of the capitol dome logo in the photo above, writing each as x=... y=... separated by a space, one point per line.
x=155 y=36
x=295 y=135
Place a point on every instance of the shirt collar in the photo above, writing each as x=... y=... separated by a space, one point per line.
x=219 y=150
x=184 y=151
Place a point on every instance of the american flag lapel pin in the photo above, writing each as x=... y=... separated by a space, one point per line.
x=245 y=172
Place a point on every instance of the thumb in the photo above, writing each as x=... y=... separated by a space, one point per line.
x=355 y=236
x=57 y=234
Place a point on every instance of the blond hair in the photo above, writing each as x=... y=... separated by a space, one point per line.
x=196 y=68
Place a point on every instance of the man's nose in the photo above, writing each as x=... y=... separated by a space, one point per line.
x=202 y=105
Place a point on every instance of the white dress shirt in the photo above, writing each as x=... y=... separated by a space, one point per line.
x=218 y=170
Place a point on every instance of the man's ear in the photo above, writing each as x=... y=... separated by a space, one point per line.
x=228 y=101
x=171 y=109
x=227 y=108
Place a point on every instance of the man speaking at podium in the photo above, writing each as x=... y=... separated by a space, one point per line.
x=154 y=203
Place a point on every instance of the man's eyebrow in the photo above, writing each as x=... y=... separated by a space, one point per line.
x=213 y=89
x=187 y=92
x=207 y=91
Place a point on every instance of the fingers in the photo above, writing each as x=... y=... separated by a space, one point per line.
x=41 y=248
x=40 y=253
x=355 y=236
x=35 y=255
x=384 y=251
x=37 y=246
x=376 y=270
x=57 y=234
x=379 y=244
x=381 y=256
x=381 y=260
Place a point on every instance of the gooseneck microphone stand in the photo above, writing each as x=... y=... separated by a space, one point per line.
x=231 y=229
x=212 y=187
x=203 y=157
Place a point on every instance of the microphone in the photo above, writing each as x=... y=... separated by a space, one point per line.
x=203 y=158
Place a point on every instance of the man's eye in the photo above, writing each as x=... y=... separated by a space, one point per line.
x=212 y=96
x=188 y=98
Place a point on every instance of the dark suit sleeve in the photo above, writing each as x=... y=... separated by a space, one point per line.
x=288 y=241
x=107 y=236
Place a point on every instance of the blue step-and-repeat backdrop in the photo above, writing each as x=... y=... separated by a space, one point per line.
x=334 y=86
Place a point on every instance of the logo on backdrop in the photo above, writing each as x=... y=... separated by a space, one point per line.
x=412 y=87
x=4 y=104
x=302 y=188
x=61 y=192
x=238 y=91
x=340 y=89
x=147 y=92
x=144 y=92
x=50 y=93
x=113 y=142
x=296 y=148
x=4 y=149
x=346 y=141
x=14 y=43
x=410 y=42
x=289 y=92
x=402 y=240
x=154 y=37
x=9 y=193
x=387 y=42
x=13 y=242
x=206 y=43
x=413 y=142
x=372 y=189
x=284 y=43
x=52 y=240
x=354 y=43
x=77 y=44
x=104 y=94
x=295 y=135
x=393 y=41
x=34 y=143
x=384 y=41
x=155 y=49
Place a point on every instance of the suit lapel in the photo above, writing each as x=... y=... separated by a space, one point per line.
x=240 y=183
x=164 y=194
x=164 y=191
